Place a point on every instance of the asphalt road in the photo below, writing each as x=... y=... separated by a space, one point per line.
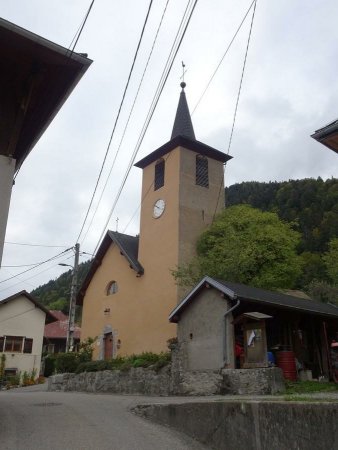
x=34 y=419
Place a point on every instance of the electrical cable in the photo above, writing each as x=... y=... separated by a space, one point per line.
x=242 y=75
x=127 y=123
x=81 y=29
x=151 y=111
x=240 y=85
x=37 y=265
x=224 y=55
x=36 y=245
x=69 y=54
x=116 y=120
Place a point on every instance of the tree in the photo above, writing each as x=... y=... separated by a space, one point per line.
x=248 y=246
x=331 y=261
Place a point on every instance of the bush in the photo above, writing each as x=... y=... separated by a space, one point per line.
x=146 y=359
x=49 y=365
x=66 y=362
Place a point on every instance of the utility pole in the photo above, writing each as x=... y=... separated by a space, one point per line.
x=72 y=302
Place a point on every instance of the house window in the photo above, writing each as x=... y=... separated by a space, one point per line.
x=28 y=345
x=159 y=174
x=112 y=288
x=13 y=344
x=1 y=344
x=202 y=176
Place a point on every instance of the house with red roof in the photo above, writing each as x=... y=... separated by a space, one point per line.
x=55 y=334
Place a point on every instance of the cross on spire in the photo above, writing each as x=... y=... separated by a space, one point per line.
x=183 y=72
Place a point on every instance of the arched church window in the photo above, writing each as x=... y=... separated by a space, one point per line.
x=111 y=288
x=159 y=174
x=202 y=175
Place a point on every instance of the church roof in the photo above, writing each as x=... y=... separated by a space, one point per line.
x=183 y=124
x=128 y=246
x=190 y=144
x=242 y=292
x=183 y=136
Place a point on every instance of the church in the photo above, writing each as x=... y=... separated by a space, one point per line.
x=129 y=290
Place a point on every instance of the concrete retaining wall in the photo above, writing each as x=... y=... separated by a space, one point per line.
x=252 y=425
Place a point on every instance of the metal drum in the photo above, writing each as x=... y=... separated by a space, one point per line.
x=287 y=362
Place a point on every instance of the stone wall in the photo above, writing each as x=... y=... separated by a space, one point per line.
x=170 y=381
x=132 y=381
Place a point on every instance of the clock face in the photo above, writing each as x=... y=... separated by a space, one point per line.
x=158 y=208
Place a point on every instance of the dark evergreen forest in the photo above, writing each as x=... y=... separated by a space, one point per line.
x=310 y=205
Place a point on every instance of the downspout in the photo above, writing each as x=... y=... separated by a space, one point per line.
x=225 y=328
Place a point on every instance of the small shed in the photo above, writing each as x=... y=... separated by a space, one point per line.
x=217 y=314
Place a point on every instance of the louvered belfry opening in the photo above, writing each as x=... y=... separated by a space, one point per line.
x=159 y=174
x=202 y=175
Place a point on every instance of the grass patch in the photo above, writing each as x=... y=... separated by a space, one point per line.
x=308 y=399
x=307 y=387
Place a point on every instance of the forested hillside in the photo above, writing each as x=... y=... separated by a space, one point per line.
x=55 y=294
x=311 y=206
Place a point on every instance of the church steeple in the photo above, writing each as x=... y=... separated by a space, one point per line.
x=183 y=125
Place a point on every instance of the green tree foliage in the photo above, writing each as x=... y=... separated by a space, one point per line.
x=331 y=261
x=311 y=206
x=309 y=203
x=248 y=246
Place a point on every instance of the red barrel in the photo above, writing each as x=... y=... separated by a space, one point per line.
x=287 y=362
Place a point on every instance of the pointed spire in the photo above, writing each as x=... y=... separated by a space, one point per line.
x=183 y=125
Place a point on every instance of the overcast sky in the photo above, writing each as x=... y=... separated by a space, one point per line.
x=289 y=90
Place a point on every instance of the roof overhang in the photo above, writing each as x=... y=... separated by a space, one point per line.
x=190 y=144
x=36 y=78
x=256 y=296
x=328 y=135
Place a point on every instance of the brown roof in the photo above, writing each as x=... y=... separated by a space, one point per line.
x=58 y=329
x=328 y=135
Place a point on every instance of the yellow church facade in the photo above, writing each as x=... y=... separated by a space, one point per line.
x=130 y=291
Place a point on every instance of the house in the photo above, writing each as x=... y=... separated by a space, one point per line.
x=328 y=135
x=216 y=315
x=36 y=78
x=22 y=322
x=129 y=290
x=55 y=334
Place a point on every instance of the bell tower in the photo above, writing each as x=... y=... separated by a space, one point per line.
x=182 y=190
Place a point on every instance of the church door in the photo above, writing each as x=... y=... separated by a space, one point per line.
x=108 y=346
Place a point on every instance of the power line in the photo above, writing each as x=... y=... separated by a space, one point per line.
x=152 y=108
x=116 y=120
x=36 y=245
x=79 y=32
x=242 y=76
x=33 y=276
x=224 y=55
x=37 y=265
x=127 y=123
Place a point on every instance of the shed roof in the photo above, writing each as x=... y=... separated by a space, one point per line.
x=242 y=292
x=49 y=317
